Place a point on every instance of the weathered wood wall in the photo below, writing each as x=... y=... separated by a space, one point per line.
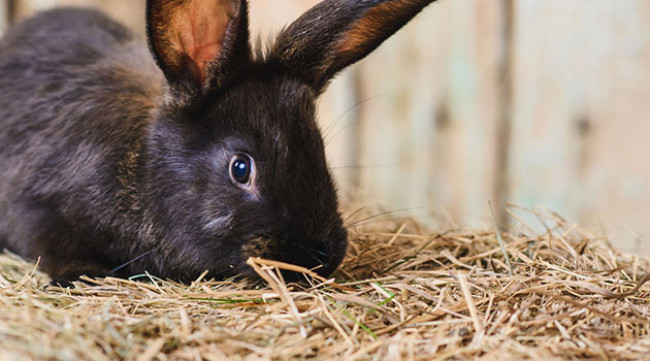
x=581 y=115
x=4 y=16
x=531 y=101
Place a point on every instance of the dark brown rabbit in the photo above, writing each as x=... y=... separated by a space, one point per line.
x=111 y=165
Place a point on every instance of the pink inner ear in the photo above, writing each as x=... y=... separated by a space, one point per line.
x=372 y=29
x=198 y=28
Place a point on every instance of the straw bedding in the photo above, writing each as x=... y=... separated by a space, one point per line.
x=403 y=293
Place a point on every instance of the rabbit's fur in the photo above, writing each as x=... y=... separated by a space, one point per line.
x=110 y=166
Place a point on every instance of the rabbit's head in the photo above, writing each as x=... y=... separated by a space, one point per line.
x=235 y=161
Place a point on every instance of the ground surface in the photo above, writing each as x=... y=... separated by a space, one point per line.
x=403 y=293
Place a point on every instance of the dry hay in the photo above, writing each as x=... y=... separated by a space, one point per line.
x=403 y=293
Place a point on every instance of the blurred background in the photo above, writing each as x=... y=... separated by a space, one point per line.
x=534 y=102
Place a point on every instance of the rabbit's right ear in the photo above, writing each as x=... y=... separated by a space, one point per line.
x=337 y=33
x=198 y=44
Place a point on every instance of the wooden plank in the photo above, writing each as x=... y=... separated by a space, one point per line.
x=582 y=115
x=24 y=8
x=129 y=12
x=4 y=15
x=428 y=129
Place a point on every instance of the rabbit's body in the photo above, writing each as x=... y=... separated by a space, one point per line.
x=111 y=166
x=70 y=148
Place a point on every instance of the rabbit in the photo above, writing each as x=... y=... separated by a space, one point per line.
x=188 y=155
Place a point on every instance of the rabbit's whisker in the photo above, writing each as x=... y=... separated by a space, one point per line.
x=360 y=222
x=314 y=250
x=132 y=261
x=327 y=131
x=354 y=214
x=312 y=255
x=386 y=165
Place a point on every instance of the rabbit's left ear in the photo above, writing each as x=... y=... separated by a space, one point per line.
x=198 y=43
x=338 y=33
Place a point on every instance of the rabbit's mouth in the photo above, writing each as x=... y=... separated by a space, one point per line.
x=318 y=259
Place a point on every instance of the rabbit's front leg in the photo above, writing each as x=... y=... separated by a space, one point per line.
x=64 y=274
x=66 y=249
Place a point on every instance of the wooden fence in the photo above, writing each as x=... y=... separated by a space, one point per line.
x=537 y=102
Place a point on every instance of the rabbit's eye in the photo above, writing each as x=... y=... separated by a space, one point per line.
x=241 y=169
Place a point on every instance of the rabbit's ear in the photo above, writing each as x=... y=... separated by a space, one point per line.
x=198 y=43
x=338 y=33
